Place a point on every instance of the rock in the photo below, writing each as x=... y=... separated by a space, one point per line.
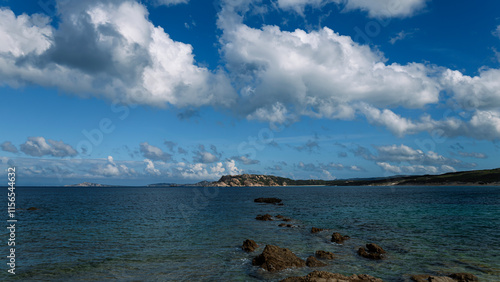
x=427 y=278
x=280 y=216
x=274 y=258
x=316 y=230
x=268 y=200
x=324 y=276
x=249 y=245
x=339 y=239
x=32 y=209
x=460 y=277
x=266 y=217
x=314 y=262
x=285 y=225
x=287 y=219
x=374 y=248
x=362 y=252
x=324 y=255
x=464 y=277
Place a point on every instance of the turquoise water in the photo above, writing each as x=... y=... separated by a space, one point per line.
x=186 y=234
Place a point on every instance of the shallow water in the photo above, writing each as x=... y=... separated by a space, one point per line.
x=195 y=234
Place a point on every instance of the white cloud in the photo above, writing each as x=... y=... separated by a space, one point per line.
x=387 y=8
x=319 y=73
x=375 y=8
x=154 y=153
x=170 y=2
x=38 y=147
x=416 y=169
x=150 y=168
x=108 y=50
x=496 y=32
x=400 y=36
x=7 y=146
x=232 y=169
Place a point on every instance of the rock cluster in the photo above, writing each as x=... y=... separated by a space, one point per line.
x=324 y=255
x=274 y=258
x=460 y=277
x=314 y=262
x=266 y=217
x=372 y=251
x=324 y=276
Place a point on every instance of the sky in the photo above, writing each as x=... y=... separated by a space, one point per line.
x=181 y=91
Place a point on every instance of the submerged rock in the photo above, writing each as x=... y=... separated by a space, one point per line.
x=268 y=200
x=32 y=209
x=266 y=217
x=274 y=258
x=249 y=245
x=285 y=225
x=372 y=251
x=339 y=239
x=324 y=255
x=316 y=230
x=324 y=276
x=314 y=262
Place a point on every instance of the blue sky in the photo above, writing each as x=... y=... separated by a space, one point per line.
x=126 y=92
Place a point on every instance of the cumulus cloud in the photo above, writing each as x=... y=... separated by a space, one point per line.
x=204 y=156
x=404 y=159
x=38 y=147
x=150 y=168
x=415 y=169
x=112 y=169
x=154 y=153
x=7 y=146
x=108 y=50
x=375 y=8
x=281 y=73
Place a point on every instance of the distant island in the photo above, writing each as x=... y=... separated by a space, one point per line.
x=88 y=184
x=474 y=177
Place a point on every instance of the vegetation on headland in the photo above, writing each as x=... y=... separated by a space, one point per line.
x=475 y=177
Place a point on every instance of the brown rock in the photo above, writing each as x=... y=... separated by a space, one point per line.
x=285 y=225
x=374 y=248
x=268 y=200
x=362 y=252
x=266 y=217
x=324 y=255
x=324 y=276
x=460 y=277
x=287 y=219
x=249 y=245
x=316 y=230
x=314 y=262
x=274 y=258
x=280 y=216
x=339 y=239
x=464 y=277
x=32 y=209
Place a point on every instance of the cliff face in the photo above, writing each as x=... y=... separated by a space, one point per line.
x=250 y=180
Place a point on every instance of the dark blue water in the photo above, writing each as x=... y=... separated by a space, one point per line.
x=186 y=234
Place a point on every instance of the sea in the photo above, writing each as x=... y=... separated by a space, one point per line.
x=195 y=234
